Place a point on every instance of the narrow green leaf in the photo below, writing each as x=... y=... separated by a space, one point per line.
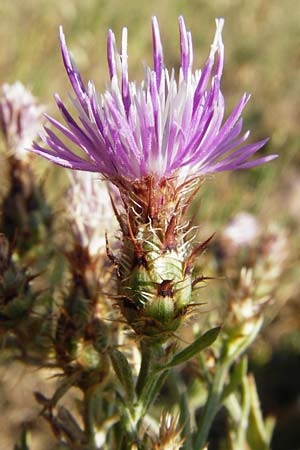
x=74 y=431
x=258 y=437
x=123 y=372
x=270 y=423
x=240 y=439
x=197 y=346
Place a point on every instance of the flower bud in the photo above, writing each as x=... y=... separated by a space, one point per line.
x=155 y=263
x=243 y=305
x=169 y=434
x=81 y=341
x=156 y=287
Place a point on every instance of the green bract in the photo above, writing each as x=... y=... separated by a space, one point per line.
x=155 y=286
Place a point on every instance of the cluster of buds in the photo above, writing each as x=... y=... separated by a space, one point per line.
x=26 y=216
x=82 y=335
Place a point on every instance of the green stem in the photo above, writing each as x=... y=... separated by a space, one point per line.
x=150 y=377
x=233 y=348
x=146 y=366
x=212 y=405
x=241 y=432
x=233 y=407
x=148 y=382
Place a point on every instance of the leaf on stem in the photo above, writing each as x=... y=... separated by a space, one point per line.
x=123 y=372
x=193 y=349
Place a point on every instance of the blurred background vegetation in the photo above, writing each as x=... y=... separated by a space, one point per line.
x=262 y=40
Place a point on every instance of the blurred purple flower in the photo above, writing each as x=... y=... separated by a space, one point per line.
x=20 y=118
x=161 y=127
x=242 y=230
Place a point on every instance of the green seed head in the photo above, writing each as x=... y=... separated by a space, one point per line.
x=154 y=284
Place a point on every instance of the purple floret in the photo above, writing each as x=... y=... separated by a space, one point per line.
x=160 y=127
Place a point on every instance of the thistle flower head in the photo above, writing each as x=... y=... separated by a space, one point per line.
x=152 y=140
x=20 y=118
x=165 y=126
x=89 y=211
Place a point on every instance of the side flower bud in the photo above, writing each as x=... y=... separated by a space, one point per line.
x=16 y=295
x=80 y=343
x=256 y=270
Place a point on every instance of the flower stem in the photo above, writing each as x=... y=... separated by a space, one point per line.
x=146 y=366
x=212 y=405
x=233 y=347
x=148 y=383
x=241 y=435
